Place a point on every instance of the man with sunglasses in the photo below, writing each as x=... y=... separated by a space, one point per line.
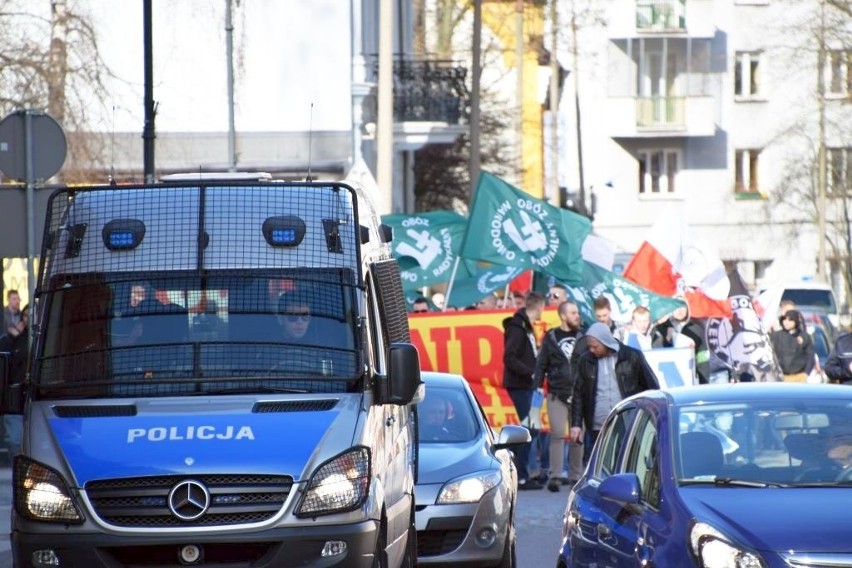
x=294 y=315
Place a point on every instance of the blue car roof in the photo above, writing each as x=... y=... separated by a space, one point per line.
x=742 y=392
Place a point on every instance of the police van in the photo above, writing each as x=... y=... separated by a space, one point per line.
x=221 y=375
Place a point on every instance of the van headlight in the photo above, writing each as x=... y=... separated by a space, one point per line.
x=40 y=493
x=712 y=549
x=340 y=484
x=469 y=489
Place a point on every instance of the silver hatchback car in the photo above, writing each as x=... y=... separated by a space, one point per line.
x=467 y=483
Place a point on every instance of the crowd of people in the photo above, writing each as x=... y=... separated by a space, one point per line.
x=586 y=371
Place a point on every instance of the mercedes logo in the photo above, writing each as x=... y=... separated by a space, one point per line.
x=188 y=500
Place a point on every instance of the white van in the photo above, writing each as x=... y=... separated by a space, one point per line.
x=806 y=294
x=221 y=374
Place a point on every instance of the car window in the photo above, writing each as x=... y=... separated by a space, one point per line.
x=823 y=299
x=774 y=441
x=642 y=458
x=612 y=440
x=821 y=347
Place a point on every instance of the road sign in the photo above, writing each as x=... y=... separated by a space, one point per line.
x=47 y=145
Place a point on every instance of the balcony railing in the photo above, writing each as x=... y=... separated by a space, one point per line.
x=660 y=15
x=427 y=90
x=661 y=112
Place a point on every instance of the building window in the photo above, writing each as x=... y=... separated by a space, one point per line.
x=747 y=74
x=838 y=76
x=746 y=169
x=839 y=171
x=658 y=171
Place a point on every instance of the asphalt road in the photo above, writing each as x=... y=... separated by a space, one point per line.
x=539 y=523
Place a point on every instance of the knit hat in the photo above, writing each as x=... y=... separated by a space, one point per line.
x=602 y=333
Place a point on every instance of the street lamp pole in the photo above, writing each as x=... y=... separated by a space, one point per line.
x=476 y=74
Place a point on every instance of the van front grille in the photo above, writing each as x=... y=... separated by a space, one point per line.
x=143 y=502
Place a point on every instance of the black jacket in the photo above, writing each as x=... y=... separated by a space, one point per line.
x=837 y=364
x=632 y=374
x=795 y=351
x=518 y=352
x=553 y=363
x=18 y=346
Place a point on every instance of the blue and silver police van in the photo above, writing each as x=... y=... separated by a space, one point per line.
x=221 y=374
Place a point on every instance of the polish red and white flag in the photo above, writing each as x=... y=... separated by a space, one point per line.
x=672 y=261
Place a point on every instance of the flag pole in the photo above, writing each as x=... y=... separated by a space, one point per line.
x=450 y=285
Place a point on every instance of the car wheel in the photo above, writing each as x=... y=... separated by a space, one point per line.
x=509 y=559
x=410 y=558
x=380 y=555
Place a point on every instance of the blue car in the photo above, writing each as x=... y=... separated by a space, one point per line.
x=748 y=475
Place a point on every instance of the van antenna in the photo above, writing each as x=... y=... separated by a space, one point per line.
x=112 y=151
x=310 y=140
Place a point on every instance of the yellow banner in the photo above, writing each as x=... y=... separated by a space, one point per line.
x=470 y=343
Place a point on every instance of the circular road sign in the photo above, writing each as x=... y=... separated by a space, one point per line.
x=48 y=145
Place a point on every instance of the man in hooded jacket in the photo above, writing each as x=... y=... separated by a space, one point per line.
x=607 y=372
x=519 y=356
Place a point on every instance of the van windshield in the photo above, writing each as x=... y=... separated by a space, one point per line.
x=159 y=334
x=822 y=299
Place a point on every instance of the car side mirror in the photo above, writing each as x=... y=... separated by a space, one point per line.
x=512 y=436
x=621 y=488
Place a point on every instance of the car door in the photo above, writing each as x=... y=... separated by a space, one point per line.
x=586 y=516
x=629 y=534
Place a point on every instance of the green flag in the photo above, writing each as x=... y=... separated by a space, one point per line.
x=510 y=227
x=467 y=291
x=427 y=246
x=624 y=295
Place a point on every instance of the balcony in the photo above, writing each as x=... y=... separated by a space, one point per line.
x=427 y=90
x=657 y=117
x=693 y=18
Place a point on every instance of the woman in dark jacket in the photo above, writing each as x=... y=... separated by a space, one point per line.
x=794 y=348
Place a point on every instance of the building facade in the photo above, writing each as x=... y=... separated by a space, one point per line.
x=713 y=105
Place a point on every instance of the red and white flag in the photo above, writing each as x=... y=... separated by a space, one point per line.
x=672 y=261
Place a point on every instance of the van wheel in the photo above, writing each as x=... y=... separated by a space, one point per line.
x=380 y=556
x=410 y=558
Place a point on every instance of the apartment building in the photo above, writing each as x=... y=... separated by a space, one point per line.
x=713 y=106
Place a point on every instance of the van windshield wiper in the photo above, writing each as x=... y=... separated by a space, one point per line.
x=249 y=390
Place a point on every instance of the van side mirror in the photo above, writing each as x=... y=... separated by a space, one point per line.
x=403 y=378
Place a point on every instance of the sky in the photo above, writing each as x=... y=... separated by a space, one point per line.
x=287 y=55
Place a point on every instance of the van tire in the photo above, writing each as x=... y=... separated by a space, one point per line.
x=380 y=555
